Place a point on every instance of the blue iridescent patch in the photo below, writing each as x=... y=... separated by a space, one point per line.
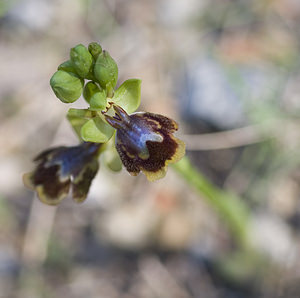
x=145 y=142
x=61 y=168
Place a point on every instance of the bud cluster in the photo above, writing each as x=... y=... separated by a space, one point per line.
x=90 y=63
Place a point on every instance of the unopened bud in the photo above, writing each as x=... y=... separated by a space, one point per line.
x=106 y=70
x=94 y=96
x=82 y=60
x=67 y=66
x=66 y=86
x=95 y=49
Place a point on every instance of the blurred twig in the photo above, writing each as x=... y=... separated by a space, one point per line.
x=233 y=138
x=225 y=139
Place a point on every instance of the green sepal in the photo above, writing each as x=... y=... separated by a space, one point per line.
x=95 y=49
x=98 y=101
x=66 y=86
x=106 y=70
x=97 y=131
x=78 y=117
x=128 y=95
x=82 y=60
x=112 y=160
x=110 y=156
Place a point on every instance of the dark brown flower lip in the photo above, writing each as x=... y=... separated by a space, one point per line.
x=145 y=142
x=61 y=168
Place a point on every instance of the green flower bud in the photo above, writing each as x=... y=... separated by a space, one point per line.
x=94 y=96
x=82 y=60
x=67 y=66
x=66 y=86
x=95 y=49
x=106 y=70
x=90 y=75
x=89 y=90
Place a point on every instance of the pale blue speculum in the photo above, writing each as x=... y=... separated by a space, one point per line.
x=133 y=132
x=72 y=159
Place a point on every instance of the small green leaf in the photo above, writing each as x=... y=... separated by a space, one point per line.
x=98 y=101
x=82 y=113
x=96 y=130
x=128 y=95
x=77 y=118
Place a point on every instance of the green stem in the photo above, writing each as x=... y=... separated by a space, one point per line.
x=230 y=208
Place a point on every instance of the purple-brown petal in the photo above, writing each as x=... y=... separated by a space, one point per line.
x=147 y=144
x=58 y=169
x=82 y=182
x=47 y=182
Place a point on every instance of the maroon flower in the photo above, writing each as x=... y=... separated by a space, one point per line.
x=61 y=168
x=145 y=142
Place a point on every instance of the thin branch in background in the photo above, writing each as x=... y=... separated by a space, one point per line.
x=236 y=137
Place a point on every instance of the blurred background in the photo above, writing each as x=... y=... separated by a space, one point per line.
x=228 y=72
